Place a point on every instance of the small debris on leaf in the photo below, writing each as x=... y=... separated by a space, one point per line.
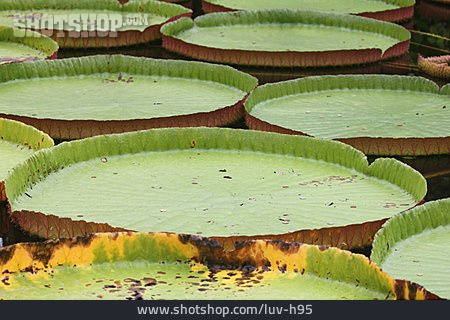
x=148 y=282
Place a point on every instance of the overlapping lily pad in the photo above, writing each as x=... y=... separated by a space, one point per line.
x=170 y=266
x=414 y=246
x=379 y=115
x=387 y=10
x=17 y=143
x=139 y=21
x=435 y=66
x=81 y=97
x=231 y=184
x=285 y=38
x=25 y=45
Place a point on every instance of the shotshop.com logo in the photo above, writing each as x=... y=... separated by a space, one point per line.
x=79 y=25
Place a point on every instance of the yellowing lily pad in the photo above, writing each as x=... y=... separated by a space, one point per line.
x=170 y=266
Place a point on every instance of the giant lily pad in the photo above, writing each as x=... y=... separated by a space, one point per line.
x=387 y=10
x=137 y=21
x=80 y=97
x=232 y=184
x=17 y=142
x=381 y=115
x=170 y=266
x=285 y=38
x=24 y=45
x=413 y=246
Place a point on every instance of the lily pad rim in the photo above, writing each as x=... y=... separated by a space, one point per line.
x=171 y=29
x=435 y=66
x=49 y=161
x=172 y=9
x=21 y=134
x=97 y=64
x=121 y=58
x=25 y=129
x=375 y=277
x=280 y=58
x=359 y=159
x=277 y=90
x=400 y=4
x=30 y=39
x=422 y=215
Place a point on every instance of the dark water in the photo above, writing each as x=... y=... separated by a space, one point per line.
x=429 y=19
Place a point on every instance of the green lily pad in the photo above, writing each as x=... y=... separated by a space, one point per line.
x=381 y=115
x=170 y=266
x=110 y=23
x=388 y=10
x=412 y=246
x=214 y=182
x=24 y=45
x=81 y=97
x=285 y=38
x=17 y=142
